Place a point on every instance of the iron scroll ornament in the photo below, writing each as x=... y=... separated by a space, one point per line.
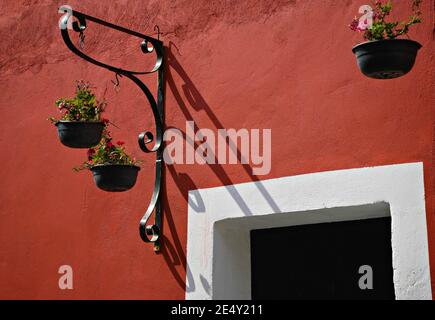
x=148 y=232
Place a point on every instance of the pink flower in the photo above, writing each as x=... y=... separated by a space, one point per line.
x=354 y=25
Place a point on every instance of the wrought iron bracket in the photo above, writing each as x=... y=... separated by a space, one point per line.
x=148 y=232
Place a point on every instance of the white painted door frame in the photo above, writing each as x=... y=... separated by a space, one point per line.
x=220 y=219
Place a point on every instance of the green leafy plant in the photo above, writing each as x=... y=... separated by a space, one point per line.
x=381 y=29
x=83 y=107
x=106 y=152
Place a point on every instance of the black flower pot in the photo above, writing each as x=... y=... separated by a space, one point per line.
x=386 y=59
x=79 y=134
x=115 y=177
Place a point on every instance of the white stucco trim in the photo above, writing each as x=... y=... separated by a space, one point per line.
x=220 y=219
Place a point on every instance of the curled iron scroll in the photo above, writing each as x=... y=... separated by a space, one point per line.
x=151 y=233
x=80 y=26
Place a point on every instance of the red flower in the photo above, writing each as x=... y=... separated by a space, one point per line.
x=63 y=105
x=105 y=121
x=120 y=143
x=109 y=144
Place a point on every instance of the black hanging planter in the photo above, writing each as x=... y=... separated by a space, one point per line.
x=386 y=59
x=115 y=177
x=79 y=134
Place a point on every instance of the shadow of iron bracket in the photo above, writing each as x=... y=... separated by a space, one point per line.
x=150 y=233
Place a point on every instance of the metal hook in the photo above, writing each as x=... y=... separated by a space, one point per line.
x=156 y=27
x=80 y=26
x=81 y=40
x=116 y=85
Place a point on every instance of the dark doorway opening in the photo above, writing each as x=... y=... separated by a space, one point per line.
x=322 y=261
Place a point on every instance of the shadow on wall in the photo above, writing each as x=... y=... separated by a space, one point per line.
x=173 y=254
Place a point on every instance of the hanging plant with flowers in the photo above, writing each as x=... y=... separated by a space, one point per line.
x=385 y=55
x=114 y=170
x=80 y=124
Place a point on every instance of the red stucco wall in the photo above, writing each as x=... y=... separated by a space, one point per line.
x=284 y=65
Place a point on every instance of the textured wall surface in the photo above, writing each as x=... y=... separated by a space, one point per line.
x=284 y=65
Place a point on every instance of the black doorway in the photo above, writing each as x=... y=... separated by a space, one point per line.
x=321 y=261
